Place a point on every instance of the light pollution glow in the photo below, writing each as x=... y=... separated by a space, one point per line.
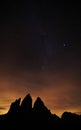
x=58 y=96
x=40 y=54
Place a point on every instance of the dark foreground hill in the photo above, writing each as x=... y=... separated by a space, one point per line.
x=22 y=116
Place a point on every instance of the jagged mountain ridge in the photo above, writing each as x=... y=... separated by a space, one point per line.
x=26 y=105
x=23 y=114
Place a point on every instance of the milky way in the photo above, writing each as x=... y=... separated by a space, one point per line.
x=40 y=53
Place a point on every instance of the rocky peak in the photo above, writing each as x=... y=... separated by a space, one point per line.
x=40 y=109
x=26 y=104
x=38 y=103
x=15 y=106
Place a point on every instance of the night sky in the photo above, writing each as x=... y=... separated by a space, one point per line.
x=40 y=54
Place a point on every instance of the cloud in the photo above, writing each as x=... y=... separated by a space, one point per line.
x=2 y=108
x=59 y=92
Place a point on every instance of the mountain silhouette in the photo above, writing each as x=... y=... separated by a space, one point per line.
x=15 y=107
x=26 y=104
x=22 y=115
x=40 y=110
x=26 y=107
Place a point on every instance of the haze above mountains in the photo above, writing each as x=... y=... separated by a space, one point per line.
x=23 y=115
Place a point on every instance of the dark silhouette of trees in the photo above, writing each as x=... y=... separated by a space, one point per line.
x=22 y=115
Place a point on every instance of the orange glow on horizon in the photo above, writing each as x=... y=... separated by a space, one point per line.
x=57 y=96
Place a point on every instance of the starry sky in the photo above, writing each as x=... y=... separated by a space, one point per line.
x=40 y=54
